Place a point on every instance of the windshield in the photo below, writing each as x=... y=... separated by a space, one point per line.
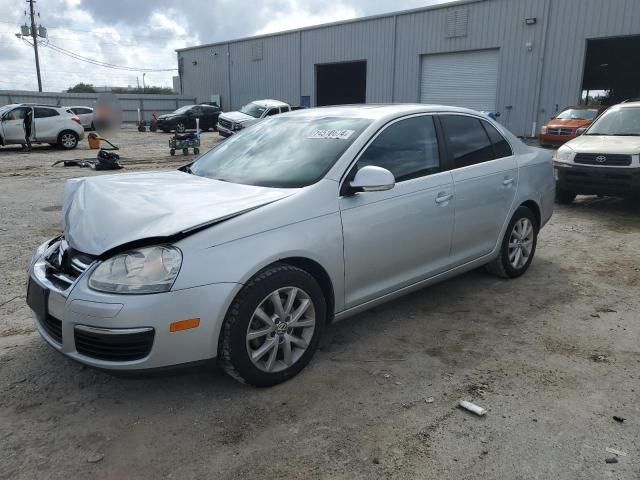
x=618 y=121
x=578 y=114
x=183 y=109
x=253 y=109
x=281 y=152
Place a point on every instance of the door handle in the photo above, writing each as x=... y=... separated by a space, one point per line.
x=443 y=197
x=507 y=182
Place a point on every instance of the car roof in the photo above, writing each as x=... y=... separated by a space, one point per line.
x=267 y=102
x=378 y=111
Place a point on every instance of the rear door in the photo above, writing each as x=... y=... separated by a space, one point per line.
x=46 y=124
x=485 y=176
x=398 y=237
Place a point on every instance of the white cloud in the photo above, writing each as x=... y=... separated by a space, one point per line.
x=145 y=34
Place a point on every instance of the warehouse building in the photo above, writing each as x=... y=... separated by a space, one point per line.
x=526 y=59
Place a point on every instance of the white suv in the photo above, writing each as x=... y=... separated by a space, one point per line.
x=604 y=160
x=54 y=125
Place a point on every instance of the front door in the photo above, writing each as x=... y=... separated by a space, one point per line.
x=13 y=125
x=485 y=177
x=400 y=236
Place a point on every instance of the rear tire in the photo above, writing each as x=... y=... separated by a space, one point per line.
x=564 y=197
x=68 y=140
x=262 y=346
x=518 y=245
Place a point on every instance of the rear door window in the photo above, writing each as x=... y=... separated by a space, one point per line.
x=500 y=146
x=273 y=111
x=41 y=112
x=468 y=141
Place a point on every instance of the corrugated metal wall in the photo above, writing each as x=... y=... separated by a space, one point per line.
x=129 y=103
x=572 y=23
x=540 y=64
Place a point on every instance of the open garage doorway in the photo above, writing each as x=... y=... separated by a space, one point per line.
x=341 y=83
x=612 y=70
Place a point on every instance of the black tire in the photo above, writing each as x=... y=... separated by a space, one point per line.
x=180 y=128
x=93 y=127
x=185 y=151
x=196 y=151
x=172 y=152
x=233 y=356
x=68 y=140
x=502 y=266
x=564 y=197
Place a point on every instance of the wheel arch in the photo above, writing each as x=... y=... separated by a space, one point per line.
x=318 y=272
x=535 y=208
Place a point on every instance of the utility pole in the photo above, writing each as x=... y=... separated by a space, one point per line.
x=34 y=35
x=143 y=86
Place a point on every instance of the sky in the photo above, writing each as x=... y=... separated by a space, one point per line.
x=145 y=33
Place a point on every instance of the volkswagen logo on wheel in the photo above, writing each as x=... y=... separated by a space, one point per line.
x=601 y=159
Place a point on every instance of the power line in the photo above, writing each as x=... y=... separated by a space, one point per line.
x=99 y=63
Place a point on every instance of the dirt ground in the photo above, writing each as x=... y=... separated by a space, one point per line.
x=553 y=356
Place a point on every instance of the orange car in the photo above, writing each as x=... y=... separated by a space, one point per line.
x=563 y=128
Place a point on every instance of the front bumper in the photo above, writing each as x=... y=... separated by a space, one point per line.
x=224 y=131
x=597 y=180
x=547 y=139
x=128 y=332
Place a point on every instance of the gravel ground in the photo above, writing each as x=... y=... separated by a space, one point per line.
x=553 y=356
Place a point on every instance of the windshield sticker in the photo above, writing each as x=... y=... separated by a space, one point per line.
x=332 y=134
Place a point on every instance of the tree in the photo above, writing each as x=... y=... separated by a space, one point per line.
x=82 y=88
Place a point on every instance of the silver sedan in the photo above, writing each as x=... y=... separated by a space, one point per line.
x=297 y=222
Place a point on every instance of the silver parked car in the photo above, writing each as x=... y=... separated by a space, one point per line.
x=296 y=222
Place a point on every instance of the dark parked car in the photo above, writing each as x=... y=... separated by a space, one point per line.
x=185 y=118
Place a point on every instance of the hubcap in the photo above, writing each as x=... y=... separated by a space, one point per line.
x=281 y=329
x=180 y=128
x=68 y=140
x=520 y=243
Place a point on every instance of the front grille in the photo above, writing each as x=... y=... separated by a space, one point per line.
x=112 y=345
x=53 y=327
x=64 y=265
x=225 y=123
x=562 y=132
x=602 y=180
x=611 y=159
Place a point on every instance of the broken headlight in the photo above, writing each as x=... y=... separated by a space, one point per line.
x=143 y=270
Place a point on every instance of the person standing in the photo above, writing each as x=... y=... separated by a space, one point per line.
x=27 y=123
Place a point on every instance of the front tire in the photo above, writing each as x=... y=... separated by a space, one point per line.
x=68 y=140
x=273 y=326
x=518 y=245
x=180 y=128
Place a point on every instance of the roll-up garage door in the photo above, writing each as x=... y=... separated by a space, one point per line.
x=464 y=79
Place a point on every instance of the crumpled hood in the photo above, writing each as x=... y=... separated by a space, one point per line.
x=100 y=213
x=238 y=117
x=605 y=144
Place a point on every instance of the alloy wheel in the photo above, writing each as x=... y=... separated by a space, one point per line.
x=68 y=140
x=521 y=243
x=180 y=128
x=281 y=329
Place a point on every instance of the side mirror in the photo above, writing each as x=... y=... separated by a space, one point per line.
x=497 y=114
x=580 y=131
x=373 y=179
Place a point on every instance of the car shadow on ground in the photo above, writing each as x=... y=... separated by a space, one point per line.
x=436 y=321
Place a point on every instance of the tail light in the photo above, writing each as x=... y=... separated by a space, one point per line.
x=76 y=119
